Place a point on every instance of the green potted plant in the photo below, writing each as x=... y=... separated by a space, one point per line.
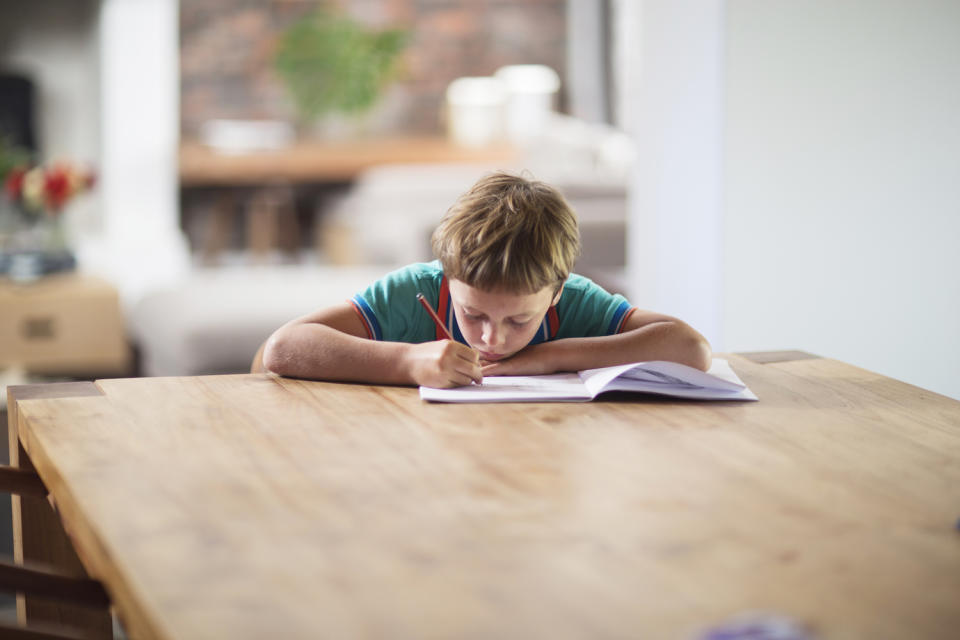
x=332 y=64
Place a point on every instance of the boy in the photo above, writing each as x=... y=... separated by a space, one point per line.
x=503 y=288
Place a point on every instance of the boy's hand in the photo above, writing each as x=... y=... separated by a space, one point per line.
x=444 y=364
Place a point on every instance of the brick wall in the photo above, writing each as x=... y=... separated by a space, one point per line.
x=226 y=48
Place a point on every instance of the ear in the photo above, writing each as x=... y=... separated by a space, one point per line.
x=556 y=298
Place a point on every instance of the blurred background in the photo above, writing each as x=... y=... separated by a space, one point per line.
x=783 y=175
x=180 y=178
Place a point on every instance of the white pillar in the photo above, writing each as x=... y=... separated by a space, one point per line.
x=142 y=245
x=672 y=101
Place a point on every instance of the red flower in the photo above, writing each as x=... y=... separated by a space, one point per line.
x=14 y=183
x=56 y=187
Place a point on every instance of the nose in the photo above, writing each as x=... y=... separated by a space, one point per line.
x=492 y=334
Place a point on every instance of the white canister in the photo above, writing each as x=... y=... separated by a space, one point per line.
x=475 y=111
x=531 y=90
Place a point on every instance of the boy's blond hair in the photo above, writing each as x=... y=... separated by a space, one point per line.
x=508 y=233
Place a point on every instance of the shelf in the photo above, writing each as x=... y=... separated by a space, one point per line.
x=338 y=161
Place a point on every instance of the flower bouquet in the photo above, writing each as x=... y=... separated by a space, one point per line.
x=32 y=240
x=45 y=190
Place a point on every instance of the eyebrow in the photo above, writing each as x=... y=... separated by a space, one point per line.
x=476 y=312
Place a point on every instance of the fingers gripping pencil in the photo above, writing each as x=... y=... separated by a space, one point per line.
x=440 y=326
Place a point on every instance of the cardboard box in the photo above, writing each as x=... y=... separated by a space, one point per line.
x=67 y=324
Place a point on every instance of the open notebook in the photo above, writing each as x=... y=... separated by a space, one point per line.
x=658 y=377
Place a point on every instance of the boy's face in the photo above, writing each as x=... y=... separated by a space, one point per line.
x=496 y=323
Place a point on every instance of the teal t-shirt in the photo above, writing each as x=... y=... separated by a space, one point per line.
x=390 y=310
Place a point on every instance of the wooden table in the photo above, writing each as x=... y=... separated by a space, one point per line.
x=257 y=507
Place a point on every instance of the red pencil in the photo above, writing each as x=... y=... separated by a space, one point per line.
x=433 y=314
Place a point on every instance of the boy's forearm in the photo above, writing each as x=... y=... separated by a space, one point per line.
x=657 y=341
x=319 y=352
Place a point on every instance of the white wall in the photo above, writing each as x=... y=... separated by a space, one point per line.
x=671 y=77
x=837 y=214
x=842 y=163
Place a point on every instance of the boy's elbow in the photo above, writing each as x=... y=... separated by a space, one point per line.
x=275 y=355
x=701 y=355
x=690 y=348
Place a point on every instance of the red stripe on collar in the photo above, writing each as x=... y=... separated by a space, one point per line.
x=443 y=307
x=553 y=321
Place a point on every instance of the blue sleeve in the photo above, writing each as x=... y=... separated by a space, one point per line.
x=586 y=309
